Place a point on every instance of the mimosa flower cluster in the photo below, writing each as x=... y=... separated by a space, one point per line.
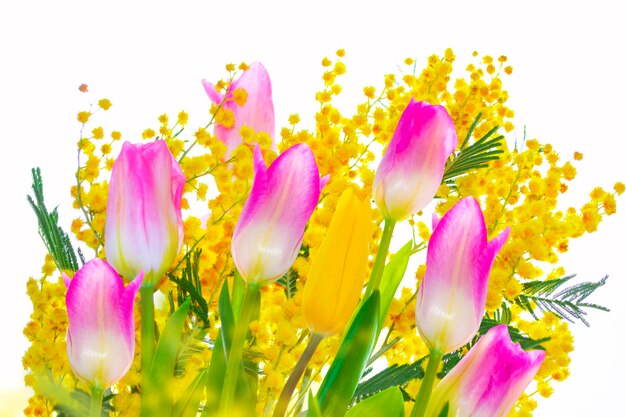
x=269 y=263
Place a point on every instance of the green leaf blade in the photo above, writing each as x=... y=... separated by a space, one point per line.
x=387 y=403
x=341 y=380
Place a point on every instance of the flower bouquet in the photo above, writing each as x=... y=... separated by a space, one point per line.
x=227 y=270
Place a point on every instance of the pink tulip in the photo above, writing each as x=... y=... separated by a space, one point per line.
x=258 y=111
x=413 y=164
x=451 y=298
x=268 y=235
x=488 y=380
x=101 y=334
x=144 y=227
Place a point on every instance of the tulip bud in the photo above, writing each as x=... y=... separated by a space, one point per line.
x=488 y=380
x=412 y=167
x=268 y=235
x=452 y=295
x=257 y=112
x=144 y=227
x=101 y=333
x=337 y=273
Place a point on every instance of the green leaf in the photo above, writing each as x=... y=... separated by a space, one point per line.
x=189 y=402
x=566 y=303
x=251 y=369
x=227 y=318
x=394 y=376
x=340 y=382
x=387 y=403
x=56 y=240
x=161 y=374
x=217 y=367
x=239 y=288
x=444 y=410
x=314 y=407
x=392 y=276
x=167 y=347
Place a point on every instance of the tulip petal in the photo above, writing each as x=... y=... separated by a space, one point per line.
x=125 y=311
x=435 y=221
x=450 y=276
x=335 y=279
x=485 y=261
x=412 y=167
x=215 y=97
x=258 y=193
x=269 y=234
x=96 y=280
x=489 y=379
x=144 y=227
x=452 y=294
x=66 y=279
x=257 y=112
x=100 y=342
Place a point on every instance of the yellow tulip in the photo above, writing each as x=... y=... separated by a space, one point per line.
x=337 y=274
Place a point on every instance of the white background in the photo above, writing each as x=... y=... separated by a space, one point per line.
x=568 y=88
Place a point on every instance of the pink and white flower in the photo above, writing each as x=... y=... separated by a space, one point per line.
x=452 y=295
x=144 y=226
x=268 y=235
x=257 y=112
x=101 y=333
x=488 y=380
x=412 y=167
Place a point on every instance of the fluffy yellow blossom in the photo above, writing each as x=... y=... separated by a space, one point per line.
x=240 y=96
x=98 y=133
x=104 y=104
x=148 y=134
x=83 y=116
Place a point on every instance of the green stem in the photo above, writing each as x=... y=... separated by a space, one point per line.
x=296 y=374
x=381 y=257
x=423 y=396
x=236 y=350
x=147 y=328
x=147 y=348
x=95 y=408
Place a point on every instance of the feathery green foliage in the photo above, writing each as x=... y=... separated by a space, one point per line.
x=567 y=303
x=395 y=375
x=189 y=287
x=474 y=156
x=56 y=240
x=288 y=281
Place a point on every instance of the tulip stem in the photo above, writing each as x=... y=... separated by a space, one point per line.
x=147 y=348
x=423 y=396
x=95 y=408
x=296 y=374
x=236 y=350
x=381 y=257
x=147 y=328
